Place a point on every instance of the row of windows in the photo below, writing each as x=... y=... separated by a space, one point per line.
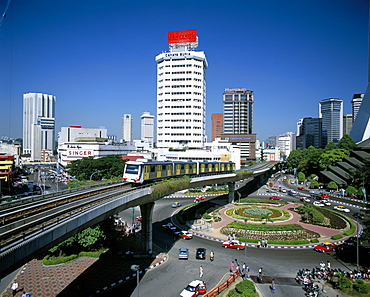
x=180 y=134
x=181 y=72
x=180 y=127
x=182 y=106
x=183 y=141
x=179 y=93
x=180 y=113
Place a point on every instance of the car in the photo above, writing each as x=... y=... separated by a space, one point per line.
x=341 y=208
x=325 y=202
x=275 y=198
x=200 y=253
x=184 y=253
x=325 y=247
x=301 y=188
x=176 y=204
x=195 y=288
x=318 y=203
x=359 y=215
x=283 y=190
x=139 y=218
x=305 y=199
x=201 y=198
x=169 y=227
x=292 y=193
x=185 y=235
x=234 y=244
x=324 y=195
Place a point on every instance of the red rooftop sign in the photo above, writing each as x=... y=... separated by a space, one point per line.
x=182 y=36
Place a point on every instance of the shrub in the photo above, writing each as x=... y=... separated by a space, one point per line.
x=55 y=261
x=314 y=240
x=206 y=216
x=233 y=293
x=361 y=287
x=343 y=283
x=90 y=254
x=245 y=288
x=337 y=236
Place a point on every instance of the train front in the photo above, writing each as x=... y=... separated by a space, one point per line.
x=133 y=172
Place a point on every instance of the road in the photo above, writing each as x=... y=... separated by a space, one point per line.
x=170 y=278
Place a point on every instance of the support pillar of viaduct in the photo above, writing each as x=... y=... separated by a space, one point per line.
x=146 y=226
x=231 y=191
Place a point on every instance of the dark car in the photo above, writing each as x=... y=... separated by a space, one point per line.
x=200 y=253
x=359 y=215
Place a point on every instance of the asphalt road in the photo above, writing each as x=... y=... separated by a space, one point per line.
x=171 y=277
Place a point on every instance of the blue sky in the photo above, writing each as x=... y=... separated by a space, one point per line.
x=98 y=57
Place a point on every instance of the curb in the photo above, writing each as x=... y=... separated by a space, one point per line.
x=130 y=276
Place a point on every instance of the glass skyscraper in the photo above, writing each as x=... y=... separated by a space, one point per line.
x=331 y=112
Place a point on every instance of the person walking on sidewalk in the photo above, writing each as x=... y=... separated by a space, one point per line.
x=232 y=266
x=14 y=288
x=201 y=271
x=273 y=287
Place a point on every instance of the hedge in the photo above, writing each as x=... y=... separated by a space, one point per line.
x=265 y=227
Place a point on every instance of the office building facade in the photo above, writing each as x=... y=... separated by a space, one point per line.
x=217 y=125
x=127 y=128
x=347 y=123
x=311 y=133
x=147 y=127
x=238 y=111
x=181 y=93
x=356 y=104
x=331 y=113
x=38 y=124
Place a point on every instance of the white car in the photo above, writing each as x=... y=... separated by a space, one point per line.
x=326 y=202
x=318 y=203
x=304 y=199
x=283 y=190
x=341 y=208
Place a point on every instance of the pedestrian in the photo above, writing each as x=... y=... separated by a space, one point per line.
x=273 y=287
x=258 y=244
x=322 y=265
x=259 y=276
x=247 y=272
x=232 y=266
x=234 y=237
x=14 y=288
x=228 y=237
x=263 y=243
x=328 y=265
x=201 y=271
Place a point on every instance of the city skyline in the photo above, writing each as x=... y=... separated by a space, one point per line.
x=98 y=57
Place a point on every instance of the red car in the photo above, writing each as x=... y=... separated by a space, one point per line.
x=324 y=195
x=185 y=235
x=325 y=247
x=195 y=288
x=275 y=198
x=234 y=244
x=325 y=202
x=140 y=218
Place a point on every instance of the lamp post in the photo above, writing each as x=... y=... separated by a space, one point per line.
x=245 y=247
x=358 y=246
x=94 y=173
x=136 y=268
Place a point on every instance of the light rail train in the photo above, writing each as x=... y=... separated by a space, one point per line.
x=144 y=170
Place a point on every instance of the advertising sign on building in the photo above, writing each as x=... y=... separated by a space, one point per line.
x=80 y=153
x=182 y=36
x=225 y=157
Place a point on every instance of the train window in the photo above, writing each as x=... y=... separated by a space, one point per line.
x=132 y=169
x=152 y=168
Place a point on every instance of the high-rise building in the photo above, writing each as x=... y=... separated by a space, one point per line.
x=356 y=103
x=286 y=143
x=347 y=123
x=147 y=127
x=238 y=111
x=238 y=122
x=311 y=133
x=181 y=93
x=331 y=112
x=127 y=128
x=38 y=124
x=217 y=125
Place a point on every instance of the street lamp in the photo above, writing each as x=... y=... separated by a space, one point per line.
x=136 y=268
x=94 y=173
x=245 y=247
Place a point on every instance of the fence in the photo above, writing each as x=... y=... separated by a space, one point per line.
x=224 y=285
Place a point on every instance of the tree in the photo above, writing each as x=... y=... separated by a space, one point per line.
x=332 y=185
x=330 y=146
x=301 y=177
x=90 y=237
x=329 y=158
x=351 y=190
x=346 y=143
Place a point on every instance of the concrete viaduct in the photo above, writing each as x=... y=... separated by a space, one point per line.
x=12 y=257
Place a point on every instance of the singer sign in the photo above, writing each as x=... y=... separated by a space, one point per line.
x=182 y=36
x=80 y=153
